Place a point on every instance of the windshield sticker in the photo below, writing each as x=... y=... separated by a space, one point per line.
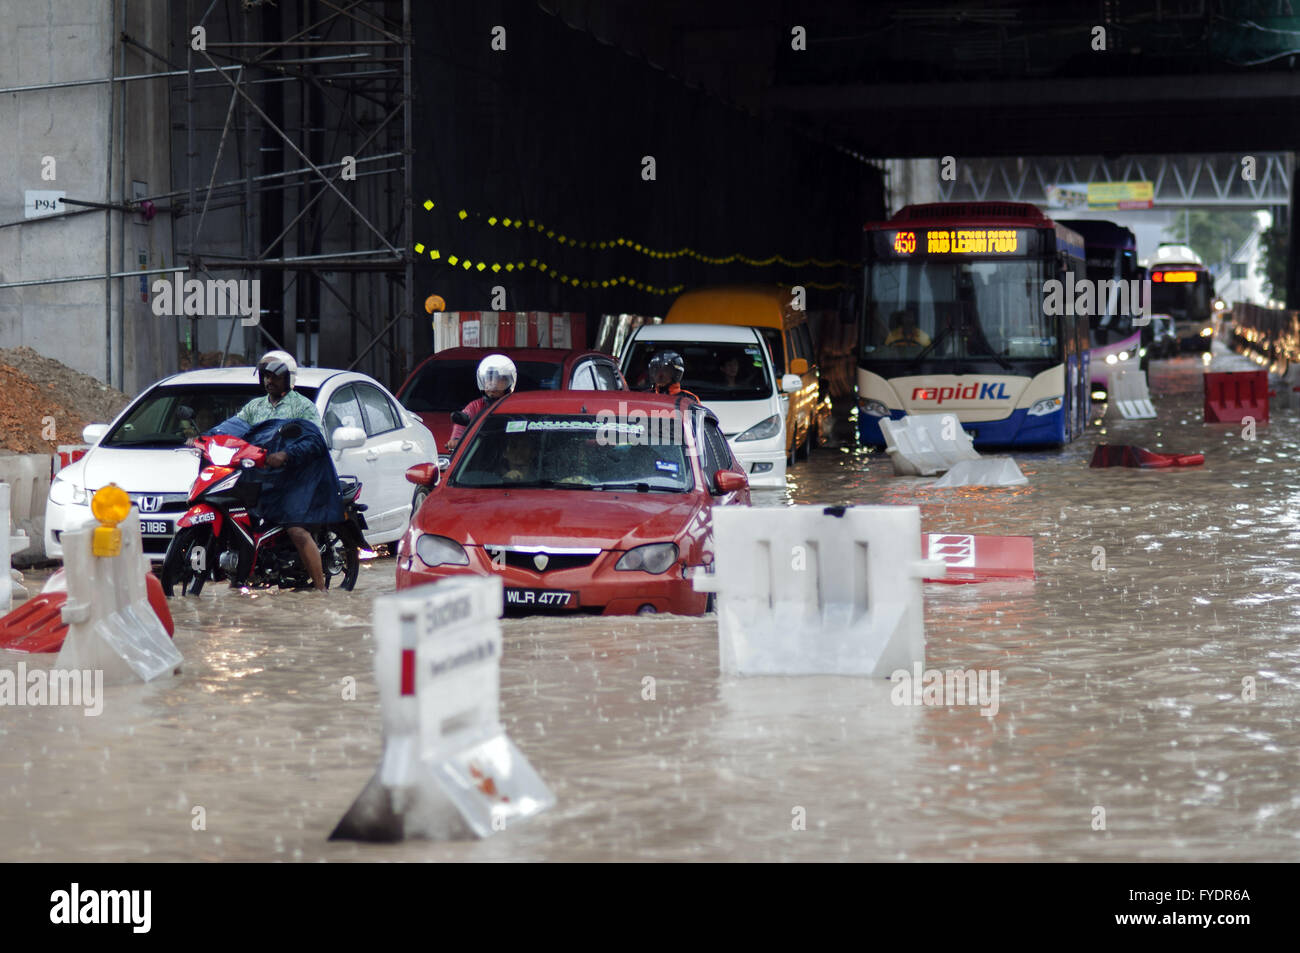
x=587 y=425
x=666 y=465
x=515 y=426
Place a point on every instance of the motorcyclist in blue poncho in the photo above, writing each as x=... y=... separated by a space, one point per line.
x=302 y=492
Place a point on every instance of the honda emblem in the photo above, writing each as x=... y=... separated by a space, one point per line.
x=149 y=504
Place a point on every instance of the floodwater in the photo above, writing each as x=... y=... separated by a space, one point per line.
x=1121 y=688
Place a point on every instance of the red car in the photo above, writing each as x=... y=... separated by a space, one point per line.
x=584 y=501
x=445 y=382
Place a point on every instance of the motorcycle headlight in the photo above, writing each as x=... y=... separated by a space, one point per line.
x=873 y=407
x=1045 y=406
x=437 y=551
x=653 y=558
x=761 y=431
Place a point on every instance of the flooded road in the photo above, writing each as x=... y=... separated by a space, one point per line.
x=1121 y=688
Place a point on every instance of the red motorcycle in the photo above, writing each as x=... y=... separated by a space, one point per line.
x=220 y=537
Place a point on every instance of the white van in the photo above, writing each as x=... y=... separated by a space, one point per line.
x=730 y=370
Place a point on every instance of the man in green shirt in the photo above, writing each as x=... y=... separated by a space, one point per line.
x=276 y=371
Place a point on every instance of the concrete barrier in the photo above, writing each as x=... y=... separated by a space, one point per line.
x=10 y=543
x=28 y=475
x=810 y=590
x=448 y=767
x=1126 y=390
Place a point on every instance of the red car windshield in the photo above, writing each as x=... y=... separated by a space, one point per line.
x=445 y=386
x=573 y=452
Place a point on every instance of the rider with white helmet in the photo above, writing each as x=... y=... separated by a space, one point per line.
x=277 y=371
x=497 y=377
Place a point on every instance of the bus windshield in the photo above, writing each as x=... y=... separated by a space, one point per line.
x=930 y=308
x=1184 y=300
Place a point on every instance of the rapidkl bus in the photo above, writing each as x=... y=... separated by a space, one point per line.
x=1111 y=254
x=1182 y=287
x=954 y=322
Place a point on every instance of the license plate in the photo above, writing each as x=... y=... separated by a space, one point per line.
x=540 y=598
x=155 y=527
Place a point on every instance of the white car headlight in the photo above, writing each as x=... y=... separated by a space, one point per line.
x=437 y=551
x=64 y=491
x=1045 y=406
x=652 y=558
x=761 y=431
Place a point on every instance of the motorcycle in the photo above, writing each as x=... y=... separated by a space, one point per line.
x=220 y=536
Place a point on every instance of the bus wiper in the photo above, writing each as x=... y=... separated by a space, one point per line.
x=933 y=344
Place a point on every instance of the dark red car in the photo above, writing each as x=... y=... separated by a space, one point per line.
x=445 y=382
x=583 y=501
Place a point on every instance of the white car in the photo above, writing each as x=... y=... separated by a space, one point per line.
x=751 y=408
x=143 y=451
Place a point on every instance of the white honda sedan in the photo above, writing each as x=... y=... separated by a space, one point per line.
x=143 y=451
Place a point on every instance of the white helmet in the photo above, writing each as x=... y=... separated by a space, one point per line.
x=494 y=369
x=278 y=362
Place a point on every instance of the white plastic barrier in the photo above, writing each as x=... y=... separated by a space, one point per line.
x=808 y=590
x=10 y=543
x=926 y=444
x=28 y=475
x=991 y=471
x=447 y=764
x=1126 y=389
x=111 y=625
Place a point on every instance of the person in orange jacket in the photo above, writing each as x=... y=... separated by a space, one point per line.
x=665 y=372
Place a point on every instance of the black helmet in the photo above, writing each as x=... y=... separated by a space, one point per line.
x=666 y=368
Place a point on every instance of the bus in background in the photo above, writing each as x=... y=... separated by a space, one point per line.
x=1111 y=253
x=954 y=321
x=1181 y=286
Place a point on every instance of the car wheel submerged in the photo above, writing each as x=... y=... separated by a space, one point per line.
x=185 y=566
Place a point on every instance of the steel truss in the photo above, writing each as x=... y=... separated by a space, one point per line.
x=345 y=66
x=1193 y=181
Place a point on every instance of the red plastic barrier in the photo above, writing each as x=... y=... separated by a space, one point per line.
x=980 y=558
x=37 y=625
x=1233 y=395
x=1107 y=455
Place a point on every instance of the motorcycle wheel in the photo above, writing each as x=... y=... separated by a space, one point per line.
x=178 y=565
x=340 y=558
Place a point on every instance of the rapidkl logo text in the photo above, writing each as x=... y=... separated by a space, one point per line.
x=986 y=391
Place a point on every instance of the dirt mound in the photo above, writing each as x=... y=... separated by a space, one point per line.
x=44 y=403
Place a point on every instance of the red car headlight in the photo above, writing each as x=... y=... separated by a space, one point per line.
x=652 y=558
x=437 y=551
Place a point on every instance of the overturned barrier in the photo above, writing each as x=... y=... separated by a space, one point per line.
x=111 y=625
x=448 y=767
x=926 y=444
x=990 y=471
x=811 y=590
x=1233 y=395
x=1126 y=390
x=971 y=558
x=37 y=626
x=1108 y=455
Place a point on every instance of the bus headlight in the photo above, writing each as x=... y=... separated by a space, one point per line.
x=1207 y=332
x=1047 y=405
x=1123 y=355
x=873 y=407
x=1112 y=359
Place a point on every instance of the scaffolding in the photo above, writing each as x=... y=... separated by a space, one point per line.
x=316 y=100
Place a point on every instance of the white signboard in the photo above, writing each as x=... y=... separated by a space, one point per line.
x=38 y=203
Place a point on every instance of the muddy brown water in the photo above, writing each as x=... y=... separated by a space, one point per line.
x=1120 y=689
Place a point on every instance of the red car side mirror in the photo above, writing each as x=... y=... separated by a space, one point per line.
x=423 y=474
x=729 y=481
